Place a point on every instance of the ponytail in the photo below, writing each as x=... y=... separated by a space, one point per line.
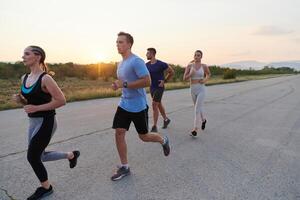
x=45 y=67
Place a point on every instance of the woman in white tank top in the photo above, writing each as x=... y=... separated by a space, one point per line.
x=198 y=74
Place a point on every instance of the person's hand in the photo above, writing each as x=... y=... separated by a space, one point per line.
x=161 y=83
x=117 y=84
x=202 y=81
x=114 y=86
x=18 y=98
x=30 y=108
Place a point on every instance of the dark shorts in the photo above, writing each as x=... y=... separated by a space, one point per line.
x=156 y=94
x=123 y=119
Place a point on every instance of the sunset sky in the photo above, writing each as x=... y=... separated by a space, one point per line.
x=85 y=31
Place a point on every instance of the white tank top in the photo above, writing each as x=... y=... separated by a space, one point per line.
x=199 y=74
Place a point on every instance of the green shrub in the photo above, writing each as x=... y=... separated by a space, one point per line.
x=229 y=74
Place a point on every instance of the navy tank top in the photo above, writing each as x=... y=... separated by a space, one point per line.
x=36 y=96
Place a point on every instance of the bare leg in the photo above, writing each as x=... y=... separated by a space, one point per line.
x=162 y=110
x=151 y=137
x=155 y=112
x=121 y=145
x=45 y=184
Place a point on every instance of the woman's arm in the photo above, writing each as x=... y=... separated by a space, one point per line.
x=187 y=73
x=206 y=73
x=18 y=98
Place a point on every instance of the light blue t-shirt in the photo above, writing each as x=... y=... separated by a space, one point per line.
x=129 y=70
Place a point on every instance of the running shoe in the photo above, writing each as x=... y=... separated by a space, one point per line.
x=166 y=146
x=166 y=123
x=73 y=161
x=121 y=173
x=194 y=133
x=41 y=193
x=203 y=124
x=154 y=129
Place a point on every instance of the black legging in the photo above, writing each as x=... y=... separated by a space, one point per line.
x=37 y=146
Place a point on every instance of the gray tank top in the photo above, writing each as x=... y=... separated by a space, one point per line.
x=199 y=74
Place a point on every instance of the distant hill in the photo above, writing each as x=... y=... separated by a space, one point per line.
x=245 y=64
x=259 y=65
x=292 y=64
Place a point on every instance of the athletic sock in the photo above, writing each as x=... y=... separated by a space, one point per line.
x=164 y=141
x=125 y=165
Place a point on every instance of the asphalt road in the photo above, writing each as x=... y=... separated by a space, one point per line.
x=249 y=150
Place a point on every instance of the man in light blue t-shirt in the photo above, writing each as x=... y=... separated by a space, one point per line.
x=133 y=77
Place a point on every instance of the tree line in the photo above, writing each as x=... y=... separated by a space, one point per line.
x=107 y=71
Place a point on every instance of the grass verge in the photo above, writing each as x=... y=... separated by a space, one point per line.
x=77 y=90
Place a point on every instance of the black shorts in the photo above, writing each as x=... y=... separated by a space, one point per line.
x=123 y=119
x=157 y=93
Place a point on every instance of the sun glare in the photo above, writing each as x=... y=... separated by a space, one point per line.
x=100 y=58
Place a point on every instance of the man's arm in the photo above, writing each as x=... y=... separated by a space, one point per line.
x=142 y=82
x=170 y=73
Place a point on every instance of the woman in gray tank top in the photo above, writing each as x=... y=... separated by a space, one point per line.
x=198 y=74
